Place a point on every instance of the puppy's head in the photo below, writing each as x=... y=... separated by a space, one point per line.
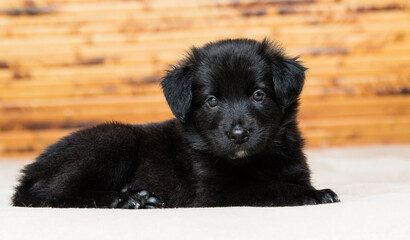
x=233 y=95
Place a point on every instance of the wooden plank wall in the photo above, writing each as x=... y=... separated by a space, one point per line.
x=67 y=64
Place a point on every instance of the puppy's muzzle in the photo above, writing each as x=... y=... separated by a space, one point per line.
x=238 y=135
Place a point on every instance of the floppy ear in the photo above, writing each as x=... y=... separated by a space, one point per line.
x=288 y=80
x=177 y=88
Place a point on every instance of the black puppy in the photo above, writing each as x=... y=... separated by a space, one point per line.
x=235 y=142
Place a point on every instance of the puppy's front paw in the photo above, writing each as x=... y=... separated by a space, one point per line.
x=317 y=197
x=320 y=197
x=133 y=199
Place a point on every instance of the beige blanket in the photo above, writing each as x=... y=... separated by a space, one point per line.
x=372 y=182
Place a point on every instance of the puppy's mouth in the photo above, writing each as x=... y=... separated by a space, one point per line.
x=238 y=154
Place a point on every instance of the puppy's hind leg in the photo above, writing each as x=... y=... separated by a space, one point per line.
x=126 y=199
x=82 y=188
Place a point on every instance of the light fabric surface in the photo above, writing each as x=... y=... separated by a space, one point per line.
x=372 y=182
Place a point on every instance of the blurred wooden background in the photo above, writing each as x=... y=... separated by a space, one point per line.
x=67 y=64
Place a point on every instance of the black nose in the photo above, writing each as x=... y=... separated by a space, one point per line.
x=238 y=135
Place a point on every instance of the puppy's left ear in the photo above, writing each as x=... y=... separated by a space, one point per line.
x=288 y=80
x=177 y=88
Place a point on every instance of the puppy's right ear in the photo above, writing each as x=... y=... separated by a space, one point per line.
x=177 y=87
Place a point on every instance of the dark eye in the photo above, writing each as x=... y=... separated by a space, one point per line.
x=212 y=101
x=258 y=96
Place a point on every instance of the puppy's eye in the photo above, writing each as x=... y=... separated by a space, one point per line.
x=212 y=101
x=258 y=96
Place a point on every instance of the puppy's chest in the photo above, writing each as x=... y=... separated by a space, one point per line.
x=218 y=179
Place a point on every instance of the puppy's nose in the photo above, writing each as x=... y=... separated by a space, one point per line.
x=238 y=135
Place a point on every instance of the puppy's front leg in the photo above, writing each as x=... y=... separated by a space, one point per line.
x=273 y=193
x=288 y=194
x=277 y=193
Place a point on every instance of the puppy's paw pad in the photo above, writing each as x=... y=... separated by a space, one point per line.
x=326 y=196
x=145 y=198
x=129 y=203
x=124 y=201
x=150 y=200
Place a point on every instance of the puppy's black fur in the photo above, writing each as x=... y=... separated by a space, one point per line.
x=235 y=142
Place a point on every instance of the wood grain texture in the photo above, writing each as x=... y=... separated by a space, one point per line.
x=69 y=64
